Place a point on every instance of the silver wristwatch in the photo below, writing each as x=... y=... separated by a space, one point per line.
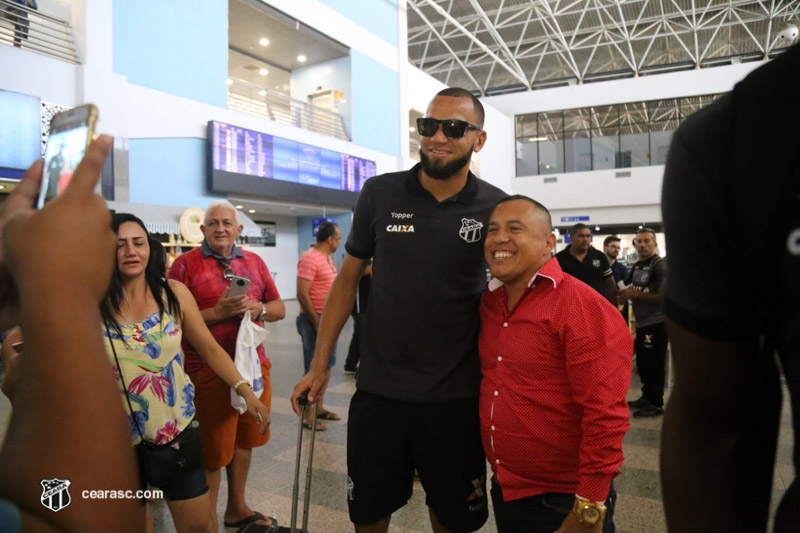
x=263 y=315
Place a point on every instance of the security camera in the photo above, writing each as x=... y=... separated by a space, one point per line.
x=788 y=33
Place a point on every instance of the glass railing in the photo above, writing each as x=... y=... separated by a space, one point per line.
x=33 y=30
x=276 y=106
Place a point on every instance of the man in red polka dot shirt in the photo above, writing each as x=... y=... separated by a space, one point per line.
x=556 y=368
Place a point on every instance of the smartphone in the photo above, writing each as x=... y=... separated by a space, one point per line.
x=71 y=132
x=239 y=286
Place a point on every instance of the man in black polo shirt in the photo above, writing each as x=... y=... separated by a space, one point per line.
x=646 y=292
x=418 y=383
x=733 y=179
x=581 y=260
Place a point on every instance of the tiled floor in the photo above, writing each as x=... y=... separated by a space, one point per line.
x=639 y=508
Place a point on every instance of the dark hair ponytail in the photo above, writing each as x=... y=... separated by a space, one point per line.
x=154 y=274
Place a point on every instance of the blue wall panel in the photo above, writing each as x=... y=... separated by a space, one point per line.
x=169 y=172
x=179 y=47
x=376 y=105
x=377 y=16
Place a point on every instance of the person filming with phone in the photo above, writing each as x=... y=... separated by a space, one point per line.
x=209 y=273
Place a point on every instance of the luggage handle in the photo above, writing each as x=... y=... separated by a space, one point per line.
x=302 y=402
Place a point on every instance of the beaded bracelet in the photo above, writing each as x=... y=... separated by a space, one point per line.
x=239 y=384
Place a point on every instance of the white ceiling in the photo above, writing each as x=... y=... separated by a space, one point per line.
x=493 y=46
x=249 y=21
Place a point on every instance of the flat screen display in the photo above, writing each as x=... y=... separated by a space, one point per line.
x=238 y=153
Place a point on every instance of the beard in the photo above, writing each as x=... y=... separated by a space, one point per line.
x=446 y=170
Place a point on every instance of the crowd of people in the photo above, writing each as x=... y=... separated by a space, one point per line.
x=529 y=371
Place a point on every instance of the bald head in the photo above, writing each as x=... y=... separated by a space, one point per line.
x=520 y=240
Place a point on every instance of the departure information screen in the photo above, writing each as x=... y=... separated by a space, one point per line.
x=243 y=151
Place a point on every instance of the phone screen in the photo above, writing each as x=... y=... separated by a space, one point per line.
x=69 y=136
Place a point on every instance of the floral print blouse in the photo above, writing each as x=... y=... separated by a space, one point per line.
x=159 y=390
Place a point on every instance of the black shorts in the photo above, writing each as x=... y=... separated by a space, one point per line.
x=185 y=486
x=387 y=439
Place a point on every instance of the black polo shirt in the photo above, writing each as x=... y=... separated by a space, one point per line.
x=733 y=177
x=593 y=270
x=428 y=274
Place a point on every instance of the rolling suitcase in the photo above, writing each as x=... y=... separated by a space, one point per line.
x=302 y=401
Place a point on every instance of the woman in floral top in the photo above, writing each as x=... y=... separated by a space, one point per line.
x=145 y=316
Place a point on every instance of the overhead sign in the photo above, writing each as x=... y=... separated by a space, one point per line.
x=581 y=218
x=317 y=222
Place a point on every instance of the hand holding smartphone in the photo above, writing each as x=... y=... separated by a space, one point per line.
x=239 y=286
x=71 y=132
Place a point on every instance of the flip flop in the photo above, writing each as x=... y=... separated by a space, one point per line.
x=320 y=425
x=255 y=517
x=328 y=415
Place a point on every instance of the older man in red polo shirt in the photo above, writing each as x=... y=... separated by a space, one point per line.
x=228 y=438
x=556 y=368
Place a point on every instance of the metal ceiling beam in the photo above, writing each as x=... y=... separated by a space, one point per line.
x=640 y=38
x=635 y=32
x=479 y=43
x=441 y=39
x=712 y=5
x=499 y=40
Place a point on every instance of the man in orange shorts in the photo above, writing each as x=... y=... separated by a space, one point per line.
x=228 y=438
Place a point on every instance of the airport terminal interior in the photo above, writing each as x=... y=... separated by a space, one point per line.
x=287 y=107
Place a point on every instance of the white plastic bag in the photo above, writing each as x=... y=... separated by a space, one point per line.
x=246 y=359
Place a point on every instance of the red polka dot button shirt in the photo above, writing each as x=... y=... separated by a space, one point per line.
x=555 y=373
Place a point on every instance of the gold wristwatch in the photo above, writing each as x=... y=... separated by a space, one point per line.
x=589 y=513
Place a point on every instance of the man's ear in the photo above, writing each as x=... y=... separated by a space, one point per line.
x=550 y=242
x=479 y=142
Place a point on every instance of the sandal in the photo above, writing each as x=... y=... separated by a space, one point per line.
x=250 y=520
x=320 y=425
x=328 y=415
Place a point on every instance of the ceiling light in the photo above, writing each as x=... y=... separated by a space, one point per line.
x=788 y=33
x=263 y=72
x=251 y=210
x=301 y=58
x=238 y=207
x=229 y=82
x=597 y=228
x=262 y=92
x=536 y=139
x=264 y=41
x=412 y=129
x=2 y=186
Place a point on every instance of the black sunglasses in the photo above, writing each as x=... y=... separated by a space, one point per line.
x=225 y=265
x=451 y=127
